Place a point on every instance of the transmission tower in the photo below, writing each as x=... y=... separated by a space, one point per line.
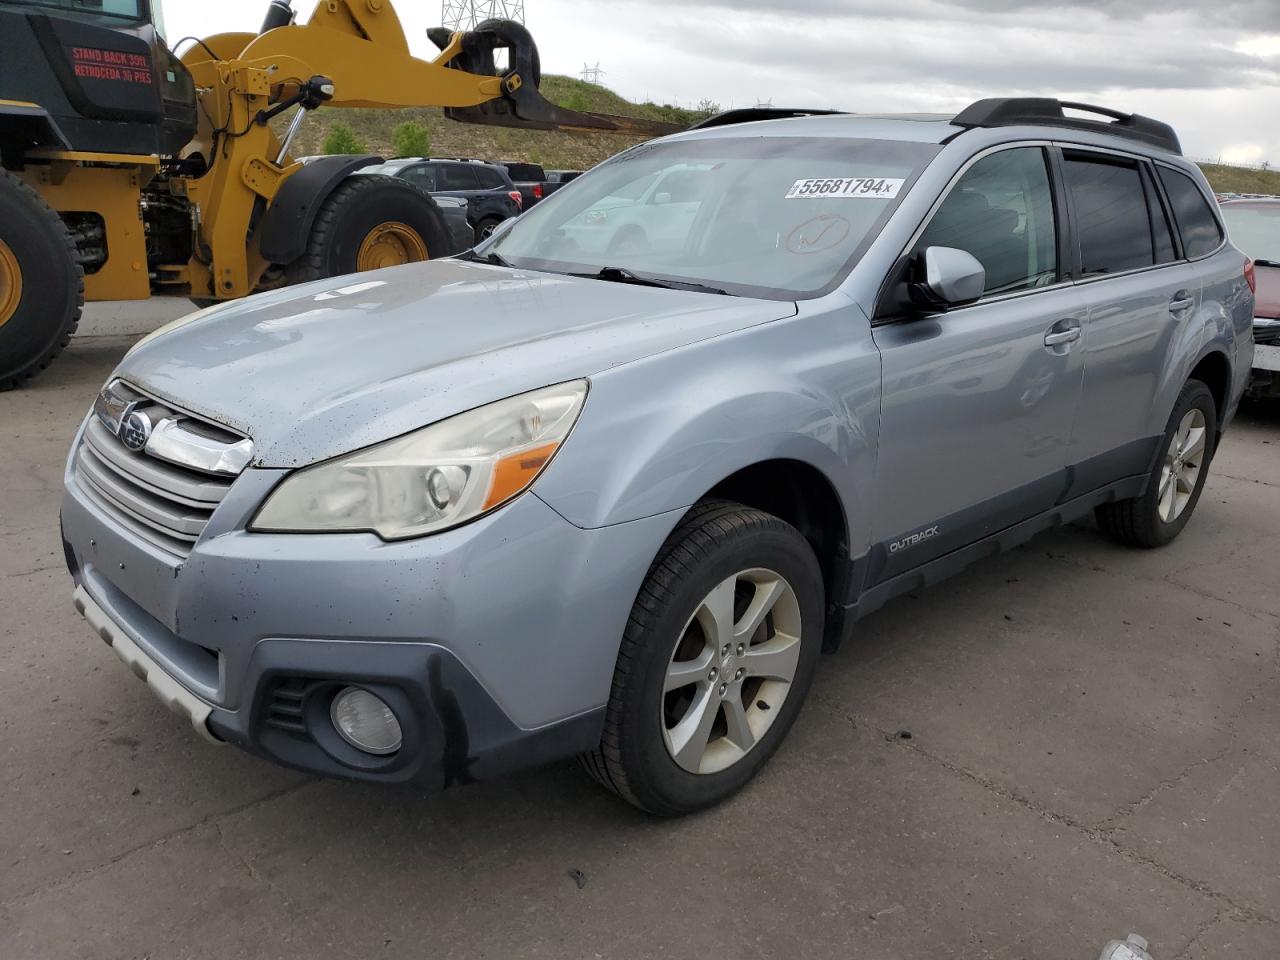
x=592 y=74
x=465 y=14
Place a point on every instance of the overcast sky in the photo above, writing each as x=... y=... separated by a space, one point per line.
x=1209 y=67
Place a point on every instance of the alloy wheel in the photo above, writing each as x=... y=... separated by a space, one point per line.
x=1183 y=462
x=731 y=671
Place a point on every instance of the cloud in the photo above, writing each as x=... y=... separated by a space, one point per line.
x=1209 y=67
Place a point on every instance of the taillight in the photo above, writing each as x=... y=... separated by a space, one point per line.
x=515 y=195
x=1250 y=277
x=537 y=191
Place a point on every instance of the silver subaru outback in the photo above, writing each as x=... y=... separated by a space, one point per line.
x=609 y=484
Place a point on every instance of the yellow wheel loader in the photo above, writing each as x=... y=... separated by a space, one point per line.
x=127 y=171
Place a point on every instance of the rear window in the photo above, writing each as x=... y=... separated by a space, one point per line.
x=1197 y=225
x=1112 y=220
x=523 y=171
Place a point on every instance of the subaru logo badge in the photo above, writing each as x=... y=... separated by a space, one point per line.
x=135 y=430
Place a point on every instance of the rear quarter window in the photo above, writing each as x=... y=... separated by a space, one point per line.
x=490 y=179
x=1198 y=227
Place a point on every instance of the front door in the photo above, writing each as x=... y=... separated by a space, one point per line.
x=978 y=403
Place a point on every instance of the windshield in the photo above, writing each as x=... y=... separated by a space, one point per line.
x=775 y=217
x=1255 y=230
x=128 y=9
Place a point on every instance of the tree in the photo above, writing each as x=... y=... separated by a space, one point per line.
x=706 y=108
x=342 y=139
x=411 y=139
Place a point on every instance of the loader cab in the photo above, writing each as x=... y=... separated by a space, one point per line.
x=91 y=76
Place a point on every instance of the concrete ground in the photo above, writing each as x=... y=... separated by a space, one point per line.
x=1065 y=744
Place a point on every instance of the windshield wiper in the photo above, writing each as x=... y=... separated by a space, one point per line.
x=623 y=275
x=1263 y=262
x=494 y=258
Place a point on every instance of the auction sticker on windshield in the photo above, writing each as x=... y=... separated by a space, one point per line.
x=875 y=188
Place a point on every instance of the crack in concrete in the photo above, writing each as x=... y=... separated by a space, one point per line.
x=28 y=573
x=1235 y=910
x=1112 y=822
x=1265 y=483
x=1167 y=580
x=250 y=869
x=207 y=819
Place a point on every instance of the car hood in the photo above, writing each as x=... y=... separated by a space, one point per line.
x=317 y=370
x=1268 y=293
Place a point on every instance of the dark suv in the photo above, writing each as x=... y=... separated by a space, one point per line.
x=491 y=196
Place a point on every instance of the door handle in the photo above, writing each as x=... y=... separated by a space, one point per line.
x=1058 y=337
x=1181 y=302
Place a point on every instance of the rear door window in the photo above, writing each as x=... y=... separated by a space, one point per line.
x=1001 y=211
x=458 y=176
x=1112 y=220
x=1197 y=225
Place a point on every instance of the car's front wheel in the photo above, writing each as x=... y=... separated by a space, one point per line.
x=715 y=662
x=1174 y=487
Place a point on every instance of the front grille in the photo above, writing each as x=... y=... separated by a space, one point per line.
x=162 y=502
x=1267 y=332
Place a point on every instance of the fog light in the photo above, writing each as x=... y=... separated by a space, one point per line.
x=365 y=722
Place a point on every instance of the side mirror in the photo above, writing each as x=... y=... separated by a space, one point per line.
x=947 y=277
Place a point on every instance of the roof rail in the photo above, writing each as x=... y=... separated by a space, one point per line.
x=749 y=114
x=1045 y=111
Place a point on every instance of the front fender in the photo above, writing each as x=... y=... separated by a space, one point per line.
x=656 y=435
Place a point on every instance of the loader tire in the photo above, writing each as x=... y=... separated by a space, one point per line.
x=368 y=222
x=41 y=283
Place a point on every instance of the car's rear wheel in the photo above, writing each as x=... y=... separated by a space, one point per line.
x=716 y=660
x=1175 y=484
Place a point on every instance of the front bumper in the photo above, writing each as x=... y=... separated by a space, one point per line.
x=494 y=643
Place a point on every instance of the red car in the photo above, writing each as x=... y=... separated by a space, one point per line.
x=1254 y=226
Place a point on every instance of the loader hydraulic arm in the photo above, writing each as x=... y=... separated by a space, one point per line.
x=358 y=48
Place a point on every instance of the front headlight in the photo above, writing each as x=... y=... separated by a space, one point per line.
x=432 y=479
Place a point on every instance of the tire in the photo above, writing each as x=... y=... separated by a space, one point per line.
x=486 y=227
x=41 y=283
x=644 y=756
x=1144 y=521
x=350 y=217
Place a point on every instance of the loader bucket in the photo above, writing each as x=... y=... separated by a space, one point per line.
x=521 y=103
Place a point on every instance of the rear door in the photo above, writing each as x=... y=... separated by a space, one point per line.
x=1142 y=298
x=978 y=403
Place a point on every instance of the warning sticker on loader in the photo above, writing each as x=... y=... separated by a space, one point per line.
x=847 y=188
